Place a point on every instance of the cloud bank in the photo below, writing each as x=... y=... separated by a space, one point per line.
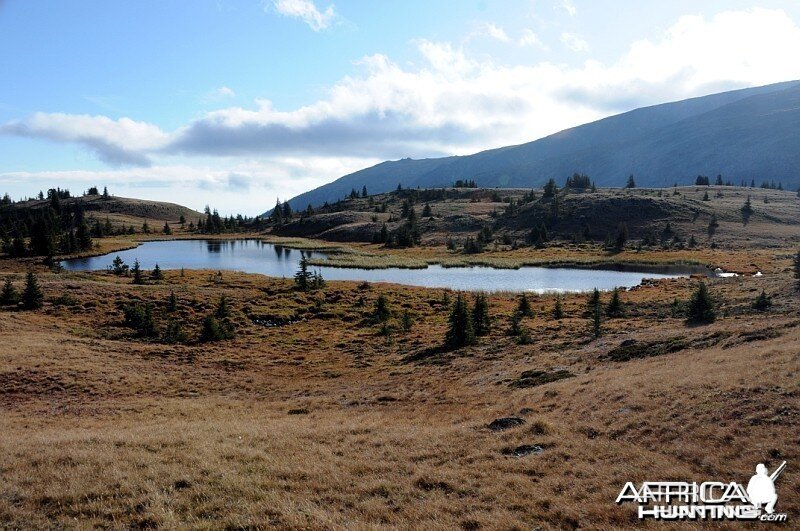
x=449 y=102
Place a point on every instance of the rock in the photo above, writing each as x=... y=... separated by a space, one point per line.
x=523 y=450
x=506 y=423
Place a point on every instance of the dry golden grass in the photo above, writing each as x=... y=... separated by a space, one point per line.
x=323 y=423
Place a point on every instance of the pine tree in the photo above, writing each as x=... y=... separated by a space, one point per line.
x=426 y=211
x=701 y=307
x=797 y=268
x=136 y=270
x=524 y=306
x=631 y=183
x=597 y=320
x=212 y=330
x=105 y=192
x=173 y=333
x=223 y=310
x=712 y=224
x=32 y=296
x=118 y=266
x=481 y=323
x=747 y=210
x=156 y=273
x=364 y=191
x=83 y=238
x=705 y=196
x=460 y=332
x=302 y=279
x=614 y=308
x=558 y=310
x=591 y=302
x=166 y=230
x=763 y=302
x=382 y=310
x=406 y=321
x=9 y=294
x=172 y=302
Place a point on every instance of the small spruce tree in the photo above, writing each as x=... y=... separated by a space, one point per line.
x=763 y=302
x=382 y=310
x=524 y=306
x=156 y=273
x=9 y=294
x=460 y=332
x=172 y=302
x=614 y=308
x=701 y=307
x=32 y=296
x=136 y=270
x=558 y=310
x=481 y=323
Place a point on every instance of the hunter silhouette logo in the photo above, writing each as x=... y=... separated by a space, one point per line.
x=710 y=500
x=761 y=488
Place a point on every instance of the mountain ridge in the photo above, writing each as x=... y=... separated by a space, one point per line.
x=660 y=144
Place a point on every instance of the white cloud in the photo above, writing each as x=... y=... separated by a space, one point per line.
x=449 y=103
x=116 y=142
x=568 y=7
x=306 y=11
x=219 y=94
x=529 y=38
x=496 y=32
x=574 y=42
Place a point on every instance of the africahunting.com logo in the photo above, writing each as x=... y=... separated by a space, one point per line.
x=710 y=500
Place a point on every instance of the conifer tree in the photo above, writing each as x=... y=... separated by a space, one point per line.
x=558 y=310
x=136 y=270
x=614 y=308
x=460 y=332
x=223 y=310
x=32 y=296
x=594 y=300
x=406 y=321
x=382 y=310
x=797 y=268
x=701 y=307
x=597 y=320
x=172 y=302
x=156 y=273
x=763 y=302
x=481 y=323
x=166 y=230
x=524 y=306
x=302 y=279
x=9 y=294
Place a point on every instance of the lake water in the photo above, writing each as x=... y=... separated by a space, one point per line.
x=254 y=256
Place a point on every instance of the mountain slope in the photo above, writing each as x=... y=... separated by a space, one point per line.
x=743 y=134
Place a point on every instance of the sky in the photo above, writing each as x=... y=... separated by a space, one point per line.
x=234 y=103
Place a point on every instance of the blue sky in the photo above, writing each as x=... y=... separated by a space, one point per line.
x=235 y=103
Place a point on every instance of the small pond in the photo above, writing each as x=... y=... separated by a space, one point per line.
x=254 y=256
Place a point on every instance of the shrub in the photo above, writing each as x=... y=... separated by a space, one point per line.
x=173 y=333
x=139 y=317
x=214 y=330
x=558 y=311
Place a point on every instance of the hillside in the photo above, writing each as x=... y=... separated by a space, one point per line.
x=573 y=215
x=743 y=134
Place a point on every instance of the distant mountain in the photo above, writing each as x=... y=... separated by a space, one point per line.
x=747 y=134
